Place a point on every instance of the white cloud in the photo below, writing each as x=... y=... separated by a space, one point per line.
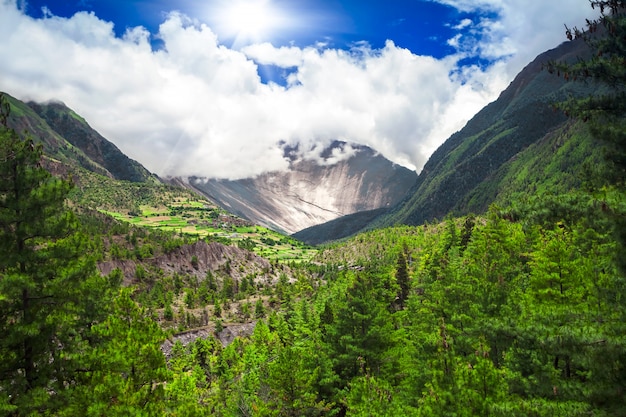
x=518 y=30
x=455 y=41
x=463 y=24
x=196 y=107
x=265 y=53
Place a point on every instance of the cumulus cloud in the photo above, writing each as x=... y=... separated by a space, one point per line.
x=196 y=107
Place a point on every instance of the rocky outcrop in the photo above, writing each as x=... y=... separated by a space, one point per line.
x=196 y=259
x=226 y=336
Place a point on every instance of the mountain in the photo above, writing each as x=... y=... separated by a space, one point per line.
x=69 y=139
x=522 y=115
x=311 y=193
x=517 y=144
x=339 y=228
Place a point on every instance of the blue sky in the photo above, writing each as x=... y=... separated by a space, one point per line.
x=214 y=87
x=424 y=27
x=421 y=26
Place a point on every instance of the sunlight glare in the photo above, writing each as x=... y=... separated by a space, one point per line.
x=250 y=20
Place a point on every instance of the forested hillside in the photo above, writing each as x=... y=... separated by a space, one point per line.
x=519 y=311
x=461 y=176
x=474 y=316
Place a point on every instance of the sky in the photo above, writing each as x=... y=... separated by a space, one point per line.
x=219 y=88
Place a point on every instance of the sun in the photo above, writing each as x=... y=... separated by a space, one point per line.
x=251 y=18
x=249 y=21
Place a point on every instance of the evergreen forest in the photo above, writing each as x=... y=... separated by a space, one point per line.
x=517 y=311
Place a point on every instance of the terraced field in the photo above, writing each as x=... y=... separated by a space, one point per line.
x=201 y=219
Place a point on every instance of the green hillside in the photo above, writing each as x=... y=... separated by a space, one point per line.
x=566 y=159
x=467 y=172
x=79 y=134
x=517 y=144
x=67 y=138
x=518 y=312
x=108 y=181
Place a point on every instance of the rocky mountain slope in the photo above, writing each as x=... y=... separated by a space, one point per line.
x=213 y=256
x=310 y=193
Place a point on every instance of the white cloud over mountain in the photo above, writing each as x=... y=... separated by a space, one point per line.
x=196 y=107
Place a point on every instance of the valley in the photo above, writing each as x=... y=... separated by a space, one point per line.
x=491 y=284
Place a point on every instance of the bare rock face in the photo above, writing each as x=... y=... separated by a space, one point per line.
x=312 y=193
x=206 y=257
x=226 y=336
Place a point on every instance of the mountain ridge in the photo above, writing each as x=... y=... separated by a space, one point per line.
x=465 y=174
x=67 y=138
x=77 y=131
x=346 y=178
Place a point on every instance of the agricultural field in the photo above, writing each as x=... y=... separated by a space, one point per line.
x=205 y=221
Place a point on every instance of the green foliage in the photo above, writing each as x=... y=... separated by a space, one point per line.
x=65 y=349
x=259 y=309
x=127 y=368
x=402 y=279
x=49 y=289
x=506 y=318
x=362 y=329
x=291 y=385
x=518 y=312
x=168 y=312
x=606 y=109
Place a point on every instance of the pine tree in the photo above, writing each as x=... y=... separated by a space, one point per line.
x=403 y=280
x=291 y=384
x=259 y=309
x=605 y=113
x=362 y=331
x=606 y=67
x=47 y=279
x=127 y=371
